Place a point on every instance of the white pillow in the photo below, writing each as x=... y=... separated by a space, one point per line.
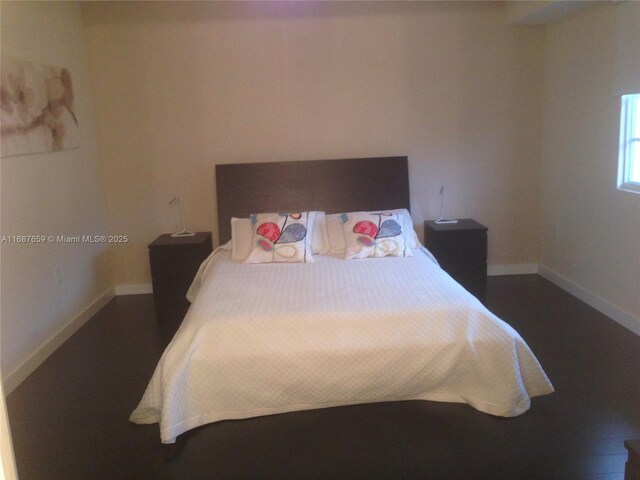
x=281 y=238
x=374 y=234
x=335 y=233
x=242 y=236
x=320 y=236
x=337 y=243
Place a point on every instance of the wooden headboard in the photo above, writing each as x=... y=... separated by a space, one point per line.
x=333 y=186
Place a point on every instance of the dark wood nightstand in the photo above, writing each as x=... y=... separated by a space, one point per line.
x=632 y=467
x=174 y=264
x=461 y=250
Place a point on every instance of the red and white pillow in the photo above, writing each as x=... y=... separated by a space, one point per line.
x=336 y=235
x=374 y=234
x=282 y=238
x=242 y=232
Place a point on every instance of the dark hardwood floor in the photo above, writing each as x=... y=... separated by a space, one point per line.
x=69 y=419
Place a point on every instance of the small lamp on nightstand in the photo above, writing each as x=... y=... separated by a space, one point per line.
x=183 y=232
x=441 y=219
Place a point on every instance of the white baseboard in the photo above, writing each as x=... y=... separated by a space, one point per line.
x=33 y=361
x=134 y=289
x=513 y=269
x=620 y=316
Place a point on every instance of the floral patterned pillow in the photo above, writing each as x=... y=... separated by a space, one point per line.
x=281 y=237
x=374 y=234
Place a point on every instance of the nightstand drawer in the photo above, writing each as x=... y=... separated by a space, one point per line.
x=459 y=248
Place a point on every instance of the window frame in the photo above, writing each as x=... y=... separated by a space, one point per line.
x=629 y=116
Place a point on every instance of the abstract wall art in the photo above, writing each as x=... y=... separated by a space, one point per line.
x=37 y=108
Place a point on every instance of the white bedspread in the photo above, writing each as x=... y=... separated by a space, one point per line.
x=271 y=338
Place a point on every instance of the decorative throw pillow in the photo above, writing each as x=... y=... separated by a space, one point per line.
x=374 y=234
x=337 y=242
x=281 y=237
x=242 y=236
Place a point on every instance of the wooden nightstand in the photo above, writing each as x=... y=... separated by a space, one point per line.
x=461 y=250
x=632 y=467
x=174 y=264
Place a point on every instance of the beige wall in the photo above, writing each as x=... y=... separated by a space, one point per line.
x=591 y=233
x=181 y=87
x=57 y=193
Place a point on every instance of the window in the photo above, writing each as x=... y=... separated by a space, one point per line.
x=629 y=161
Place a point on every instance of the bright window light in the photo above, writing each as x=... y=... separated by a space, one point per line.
x=629 y=159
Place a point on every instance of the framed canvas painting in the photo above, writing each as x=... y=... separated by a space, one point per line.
x=37 y=108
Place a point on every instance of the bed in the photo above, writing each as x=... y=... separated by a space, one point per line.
x=267 y=339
